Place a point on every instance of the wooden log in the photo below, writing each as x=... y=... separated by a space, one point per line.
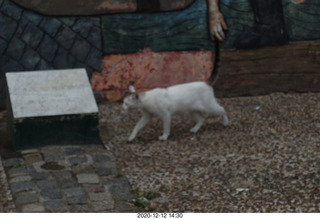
x=293 y=67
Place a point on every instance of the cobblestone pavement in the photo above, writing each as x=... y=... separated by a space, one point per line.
x=63 y=179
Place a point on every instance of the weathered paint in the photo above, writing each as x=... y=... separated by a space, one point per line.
x=149 y=70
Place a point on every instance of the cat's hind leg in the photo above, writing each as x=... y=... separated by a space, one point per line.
x=166 y=118
x=142 y=122
x=200 y=120
x=217 y=109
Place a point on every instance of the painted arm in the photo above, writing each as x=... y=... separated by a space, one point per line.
x=217 y=25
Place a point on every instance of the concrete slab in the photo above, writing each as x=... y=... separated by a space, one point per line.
x=51 y=107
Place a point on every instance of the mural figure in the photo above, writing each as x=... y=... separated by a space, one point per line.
x=269 y=28
x=84 y=7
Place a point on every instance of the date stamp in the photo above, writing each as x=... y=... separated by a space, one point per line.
x=160 y=215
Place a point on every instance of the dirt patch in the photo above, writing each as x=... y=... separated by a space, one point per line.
x=266 y=160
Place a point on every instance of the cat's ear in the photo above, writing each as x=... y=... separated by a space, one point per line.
x=135 y=96
x=132 y=89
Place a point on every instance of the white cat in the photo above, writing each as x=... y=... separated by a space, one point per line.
x=195 y=97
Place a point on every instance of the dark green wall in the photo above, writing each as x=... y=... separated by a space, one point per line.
x=187 y=29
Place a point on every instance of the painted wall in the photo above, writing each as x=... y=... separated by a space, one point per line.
x=158 y=49
x=30 y=41
x=150 y=40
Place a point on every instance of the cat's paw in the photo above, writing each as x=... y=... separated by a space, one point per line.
x=194 y=129
x=130 y=139
x=225 y=121
x=163 y=138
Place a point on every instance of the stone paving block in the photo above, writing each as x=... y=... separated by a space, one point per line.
x=119 y=188
x=23 y=186
x=104 y=164
x=65 y=179
x=79 y=208
x=31 y=158
x=103 y=171
x=54 y=157
x=20 y=179
x=12 y=162
x=100 y=196
x=88 y=178
x=62 y=174
x=66 y=183
x=101 y=158
x=73 y=151
x=51 y=108
x=30 y=151
x=26 y=198
x=51 y=193
x=78 y=160
x=55 y=206
x=47 y=184
x=20 y=171
x=103 y=205
x=92 y=188
x=33 y=208
x=79 y=169
x=40 y=175
x=75 y=195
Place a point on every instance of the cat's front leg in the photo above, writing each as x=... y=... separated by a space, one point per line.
x=166 y=127
x=142 y=122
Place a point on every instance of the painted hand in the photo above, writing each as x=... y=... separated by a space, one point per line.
x=217 y=25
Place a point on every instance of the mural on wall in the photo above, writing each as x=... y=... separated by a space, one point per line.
x=157 y=43
x=32 y=41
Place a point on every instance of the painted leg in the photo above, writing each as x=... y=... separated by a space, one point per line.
x=200 y=120
x=269 y=27
x=142 y=122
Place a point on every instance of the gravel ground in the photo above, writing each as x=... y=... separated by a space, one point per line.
x=266 y=160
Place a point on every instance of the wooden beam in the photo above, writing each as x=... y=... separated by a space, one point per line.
x=293 y=67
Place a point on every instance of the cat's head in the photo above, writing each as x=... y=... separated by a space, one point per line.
x=131 y=99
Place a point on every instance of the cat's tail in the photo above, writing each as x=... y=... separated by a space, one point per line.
x=216 y=65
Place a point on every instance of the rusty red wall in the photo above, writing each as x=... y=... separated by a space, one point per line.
x=149 y=69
